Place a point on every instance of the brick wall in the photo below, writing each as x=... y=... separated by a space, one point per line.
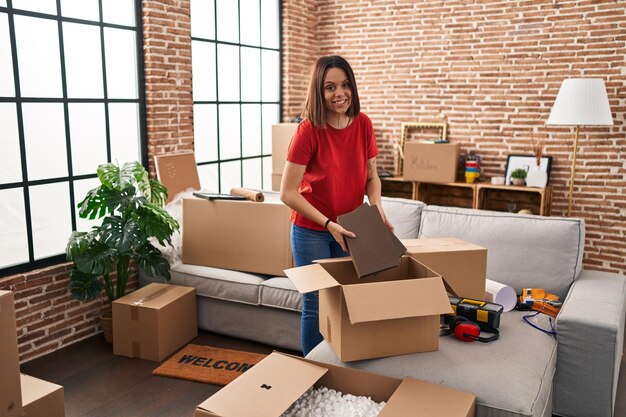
x=491 y=70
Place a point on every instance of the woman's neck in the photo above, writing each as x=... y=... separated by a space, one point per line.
x=338 y=121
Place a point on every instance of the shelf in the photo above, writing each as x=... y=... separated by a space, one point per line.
x=508 y=198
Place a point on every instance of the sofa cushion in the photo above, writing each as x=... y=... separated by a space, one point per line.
x=511 y=377
x=223 y=284
x=279 y=292
x=404 y=215
x=523 y=250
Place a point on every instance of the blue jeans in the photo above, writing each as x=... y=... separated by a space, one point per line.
x=308 y=245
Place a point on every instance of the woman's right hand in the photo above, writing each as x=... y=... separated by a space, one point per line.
x=339 y=233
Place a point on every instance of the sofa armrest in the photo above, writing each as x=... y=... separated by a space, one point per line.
x=590 y=334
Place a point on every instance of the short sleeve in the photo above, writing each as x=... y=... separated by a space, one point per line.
x=301 y=146
x=372 y=147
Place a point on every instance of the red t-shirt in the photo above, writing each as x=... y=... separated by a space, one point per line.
x=336 y=166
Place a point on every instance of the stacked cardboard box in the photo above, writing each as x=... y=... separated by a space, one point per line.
x=281 y=136
x=22 y=395
x=273 y=384
x=154 y=321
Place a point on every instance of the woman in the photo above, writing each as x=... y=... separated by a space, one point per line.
x=331 y=164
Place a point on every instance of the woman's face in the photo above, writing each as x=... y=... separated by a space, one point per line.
x=337 y=91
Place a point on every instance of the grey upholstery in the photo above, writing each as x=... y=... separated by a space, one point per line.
x=523 y=251
x=511 y=377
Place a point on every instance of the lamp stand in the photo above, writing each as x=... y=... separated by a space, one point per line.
x=571 y=178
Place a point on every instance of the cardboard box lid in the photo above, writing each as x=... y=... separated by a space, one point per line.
x=392 y=299
x=422 y=399
x=269 y=388
x=373 y=250
x=396 y=299
x=177 y=172
x=439 y=244
x=153 y=296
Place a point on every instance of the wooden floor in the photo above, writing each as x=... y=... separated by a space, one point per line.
x=100 y=384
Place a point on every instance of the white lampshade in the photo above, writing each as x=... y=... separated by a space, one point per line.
x=581 y=101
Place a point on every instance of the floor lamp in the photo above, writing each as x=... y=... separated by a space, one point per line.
x=580 y=102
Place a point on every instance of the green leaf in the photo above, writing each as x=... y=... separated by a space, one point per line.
x=109 y=175
x=84 y=286
x=156 y=222
x=97 y=260
x=151 y=261
x=78 y=243
x=123 y=235
x=133 y=173
x=158 y=193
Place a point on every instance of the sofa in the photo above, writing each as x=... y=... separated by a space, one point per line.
x=525 y=372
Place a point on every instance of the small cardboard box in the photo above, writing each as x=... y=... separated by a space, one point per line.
x=272 y=385
x=281 y=136
x=430 y=162
x=10 y=394
x=391 y=313
x=42 y=398
x=462 y=264
x=240 y=235
x=154 y=321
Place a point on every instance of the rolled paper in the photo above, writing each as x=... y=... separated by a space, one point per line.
x=249 y=194
x=498 y=293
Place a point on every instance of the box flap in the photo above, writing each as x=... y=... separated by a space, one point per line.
x=423 y=399
x=153 y=295
x=177 y=172
x=439 y=244
x=373 y=249
x=310 y=278
x=265 y=390
x=396 y=299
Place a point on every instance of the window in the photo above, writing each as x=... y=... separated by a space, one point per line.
x=236 y=90
x=70 y=99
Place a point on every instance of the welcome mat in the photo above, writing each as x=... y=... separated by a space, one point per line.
x=208 y=364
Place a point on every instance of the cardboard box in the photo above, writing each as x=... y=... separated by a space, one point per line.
x=281 y=136
x=272 y=385
x=430 y=162
x=42 y=398
x=276 y=179
x=177 y=172
x=391 y=313
x=10 y=394
x=240 y=235
x=154 y=321
x=462 y=264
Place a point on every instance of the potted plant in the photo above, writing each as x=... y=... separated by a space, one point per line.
x=131 y=206
x=518 y=176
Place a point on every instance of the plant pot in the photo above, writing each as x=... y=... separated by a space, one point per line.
x=518 y=181
x=106 y=321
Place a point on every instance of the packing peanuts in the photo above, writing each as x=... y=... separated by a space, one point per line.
x=390 y=313
x=272 y=385
x=430 y=162
x=239 y=235
x=10 y=394
x=462 y=264
x=154 y=321
x=42 y=398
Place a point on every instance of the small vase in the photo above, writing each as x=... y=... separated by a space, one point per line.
x=517 y=181
x=106 y=320
x=536 y=177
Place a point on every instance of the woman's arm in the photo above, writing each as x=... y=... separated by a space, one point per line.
x=373 y=189
x=292 y=177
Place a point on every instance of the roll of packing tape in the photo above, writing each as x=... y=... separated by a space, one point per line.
x=497 y=180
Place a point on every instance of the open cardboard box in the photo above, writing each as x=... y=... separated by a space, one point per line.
x=239 y=235
x=154 y=321
x=391 y=313
x=42 y=398
x=462 y=264
x=270 y=387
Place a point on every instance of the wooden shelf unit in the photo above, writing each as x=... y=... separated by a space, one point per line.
x=508 y=198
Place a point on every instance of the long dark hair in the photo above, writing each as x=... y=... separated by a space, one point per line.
x=314 y=108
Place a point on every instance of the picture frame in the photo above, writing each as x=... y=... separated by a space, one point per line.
x=526 y=161
x=442 y=127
